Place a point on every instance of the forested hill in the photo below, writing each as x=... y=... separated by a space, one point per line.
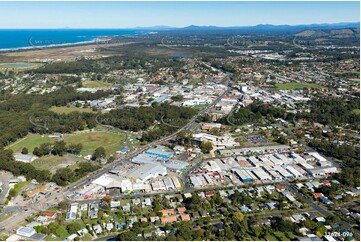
x=107 y=64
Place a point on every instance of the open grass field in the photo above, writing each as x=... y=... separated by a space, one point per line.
x=293 y=86
x=199 y=107
x=92 y=140
x=67 y=110
x=30 y=141
x=112 y=142
x=54 y=163
x=96 y=84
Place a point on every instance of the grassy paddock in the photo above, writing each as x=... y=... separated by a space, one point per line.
x=30 y=141
x=96 y=84
x=92 y=140
x=52 y=162
x=112 y=142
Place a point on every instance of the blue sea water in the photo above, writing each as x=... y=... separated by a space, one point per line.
x=12 y=39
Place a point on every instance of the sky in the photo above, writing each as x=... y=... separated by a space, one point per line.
x=178 y=14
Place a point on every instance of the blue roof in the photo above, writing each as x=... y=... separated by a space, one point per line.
x=125 y=149
x=159 y=153
x=244 y=208
x=325 y=200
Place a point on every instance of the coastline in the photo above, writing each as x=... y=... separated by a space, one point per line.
x=28 y=48
x=97 y=40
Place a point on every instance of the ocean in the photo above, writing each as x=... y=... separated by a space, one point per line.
x=14 y=39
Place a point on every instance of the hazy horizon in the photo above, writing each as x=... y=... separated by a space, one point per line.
x=126 y=15
x=180 y=27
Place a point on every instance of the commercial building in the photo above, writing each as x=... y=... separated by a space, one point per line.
x=157 y=152
x=158 y=185
x=144 y=159
x=276 y=176
x=176 y=182
x=147 y=171
x=322 y=171
x=110 y=181
x=255 y=161
x=243 y=175
x=196 y=181
x=210 y=126
x=261 y=174
x=208 y=178
x=293 y=171
x=285 y=160
x=283 y=172
x=175 y=164
x=168 y=183
x=217 y=165
x=25 y=158
x=260 y=150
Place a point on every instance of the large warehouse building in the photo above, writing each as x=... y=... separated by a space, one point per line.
x=147 y=171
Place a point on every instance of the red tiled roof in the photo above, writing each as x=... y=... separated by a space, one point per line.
x=185 y=217
x=167 y=211
x=317 y=195
x=49 y=214
x=181 y=209
x=169 y=219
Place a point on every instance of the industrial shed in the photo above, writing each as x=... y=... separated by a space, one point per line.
x=208 y=178
x=255 y=161
x=176 y=182
x=261 y=174
x=300 y=170
x=275 y=174
x=243 y=175
x=196 y=181
x=293 y=171
x=144 y=159
x=159 y=153
x=285 y=160
x=283 y=172
x=148 y=171
x=168 y=183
